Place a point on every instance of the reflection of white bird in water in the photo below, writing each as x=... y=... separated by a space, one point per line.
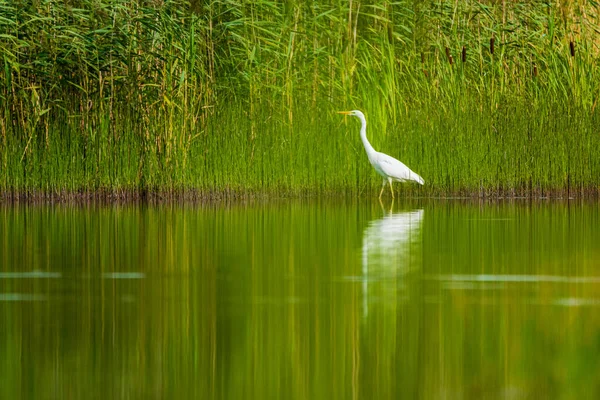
x=386 y=249
x=386 y=166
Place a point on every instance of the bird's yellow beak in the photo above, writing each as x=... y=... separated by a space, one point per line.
x=344 y=112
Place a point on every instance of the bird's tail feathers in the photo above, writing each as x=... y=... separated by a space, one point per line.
x=417 y=178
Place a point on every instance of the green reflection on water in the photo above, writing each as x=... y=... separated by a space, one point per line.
x=321 y=299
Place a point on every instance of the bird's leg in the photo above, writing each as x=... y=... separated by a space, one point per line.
x=381 y=204
x=382 y=187
x=391 y=188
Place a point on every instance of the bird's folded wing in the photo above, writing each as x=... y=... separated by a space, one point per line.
x=394 y=168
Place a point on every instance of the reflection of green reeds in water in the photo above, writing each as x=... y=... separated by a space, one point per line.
x=265 y=301
x=239 y=96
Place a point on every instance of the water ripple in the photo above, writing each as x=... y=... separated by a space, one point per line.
x=515 y=278
x=21 y=297
x=30 y=274
x=124 y=275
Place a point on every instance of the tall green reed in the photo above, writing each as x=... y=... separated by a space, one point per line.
x=239 y=96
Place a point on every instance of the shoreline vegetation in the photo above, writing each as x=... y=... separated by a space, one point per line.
x=196 y=196
x=198 y=100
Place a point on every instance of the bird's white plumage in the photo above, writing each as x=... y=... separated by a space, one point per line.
x=388 y=167
x=395 y=169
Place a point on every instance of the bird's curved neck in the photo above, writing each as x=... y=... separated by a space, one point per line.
x=363 y=135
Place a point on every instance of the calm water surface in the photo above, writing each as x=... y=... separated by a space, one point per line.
x=301 y=300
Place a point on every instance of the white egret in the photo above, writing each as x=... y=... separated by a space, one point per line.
x=388 y=167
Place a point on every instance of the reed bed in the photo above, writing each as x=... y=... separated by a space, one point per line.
x=223 y=98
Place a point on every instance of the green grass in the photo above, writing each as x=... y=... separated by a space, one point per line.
x=228 y=97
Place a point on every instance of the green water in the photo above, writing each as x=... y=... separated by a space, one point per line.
x=301 y=300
